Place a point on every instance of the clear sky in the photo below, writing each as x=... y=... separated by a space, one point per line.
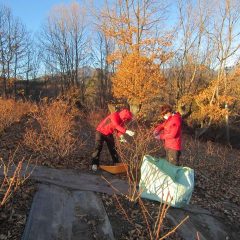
x=33 y=12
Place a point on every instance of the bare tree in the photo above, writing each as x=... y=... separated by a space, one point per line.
x=135 y=25
x=224 y=33
x=103 y=47
x=208 y=40
x=32 y=66
x=13 y=48
x=64 y=39
x=189 y=69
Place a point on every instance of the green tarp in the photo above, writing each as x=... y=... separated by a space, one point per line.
x=164 y=182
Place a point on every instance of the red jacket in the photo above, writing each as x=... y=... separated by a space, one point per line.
x=114 y=122
x=171 y=132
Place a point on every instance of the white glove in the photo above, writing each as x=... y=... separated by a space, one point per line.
x=130 y=133
x=122 y=139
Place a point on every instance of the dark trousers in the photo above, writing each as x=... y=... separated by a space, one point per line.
x=173 y=156
x=99 y=140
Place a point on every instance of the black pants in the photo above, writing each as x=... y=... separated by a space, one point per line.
x=99 y=140
x=173 y=156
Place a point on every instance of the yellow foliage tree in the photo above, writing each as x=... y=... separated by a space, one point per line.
x=210 y=107
x=138 y=79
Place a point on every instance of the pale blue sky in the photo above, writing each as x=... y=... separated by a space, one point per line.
x=33 y=12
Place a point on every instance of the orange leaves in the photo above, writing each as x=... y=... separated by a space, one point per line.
x=11 y=111
x=134 y=27
x=213 y=103
x=207 y=112
x=114 y=56
x=138 y=79
x=118 y=28
x=55 y=138
x=237 y=72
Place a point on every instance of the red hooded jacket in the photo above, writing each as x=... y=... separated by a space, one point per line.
x=114 y=122
x=171 y=132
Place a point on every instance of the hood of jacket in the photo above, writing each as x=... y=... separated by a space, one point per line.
x=125 y=115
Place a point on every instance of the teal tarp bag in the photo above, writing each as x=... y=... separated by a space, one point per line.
x=164 y=182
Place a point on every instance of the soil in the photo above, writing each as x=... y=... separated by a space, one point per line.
x=127 y=219
x=14 y=213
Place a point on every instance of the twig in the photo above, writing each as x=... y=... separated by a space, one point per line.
x=198 y=238
x=122 y=209
x=175 y=228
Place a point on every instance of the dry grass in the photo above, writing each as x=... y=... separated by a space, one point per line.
x=217 y=169
x=53 y=138
x=11 y=111
x=210 y=156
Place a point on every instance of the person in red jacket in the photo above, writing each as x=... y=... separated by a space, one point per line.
x=170 y=131
x=112 y=123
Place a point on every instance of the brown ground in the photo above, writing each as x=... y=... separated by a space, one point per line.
x=13 y=214
x=133 y=226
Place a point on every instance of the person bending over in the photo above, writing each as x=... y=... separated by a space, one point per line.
x=104 y=133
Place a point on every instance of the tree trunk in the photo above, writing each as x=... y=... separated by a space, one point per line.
x=227 y=125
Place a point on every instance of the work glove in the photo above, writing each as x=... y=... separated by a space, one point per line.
x=156 y=135
x=122 y=139
x=130 y=133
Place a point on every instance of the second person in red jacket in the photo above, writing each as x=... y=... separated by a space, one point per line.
x=170 y=131
x=112 y=123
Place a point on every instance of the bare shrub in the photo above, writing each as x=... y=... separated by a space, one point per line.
x=155 y=224
x=54 y=138
x=132 y=153
x=207 y=155
x=153 y=219
x=13 y=178
x=11 y=111
x=94 y=117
